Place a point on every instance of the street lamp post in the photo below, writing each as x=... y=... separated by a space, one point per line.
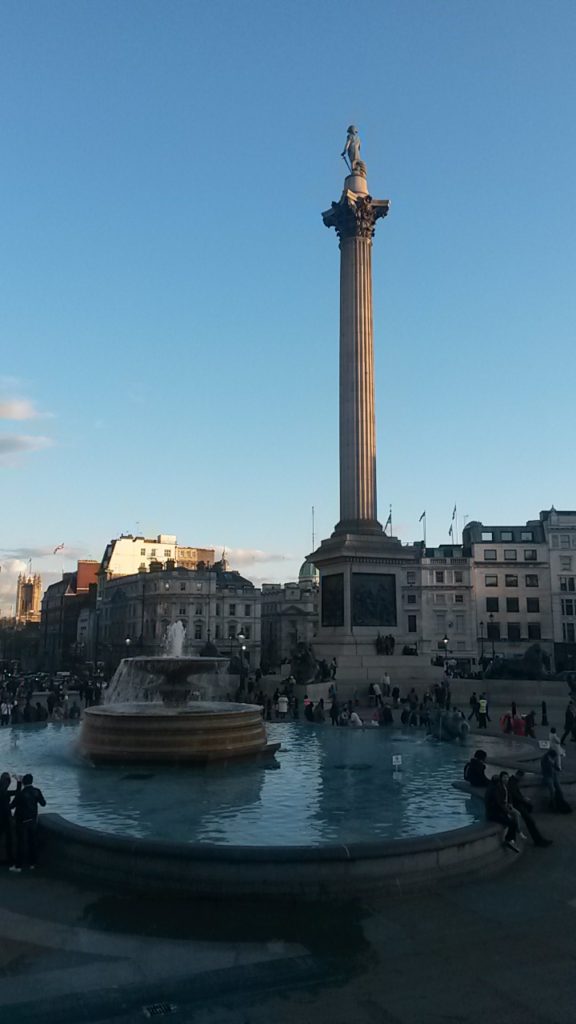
x=481 y=639
x=445 y=642
x=491 y=618
x=127 y=643
x=241 y=648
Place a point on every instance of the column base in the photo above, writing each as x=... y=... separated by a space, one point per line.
x=358 y=526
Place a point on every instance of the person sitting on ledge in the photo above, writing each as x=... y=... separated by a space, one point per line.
x=522 y=804
x=499 y=809
x=355 y=720
x=475 y=770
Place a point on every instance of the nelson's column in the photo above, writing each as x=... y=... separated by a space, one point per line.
x=362 y=571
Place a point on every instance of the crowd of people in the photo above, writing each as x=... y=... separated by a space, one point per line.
x=506 y=804
x=43 y=698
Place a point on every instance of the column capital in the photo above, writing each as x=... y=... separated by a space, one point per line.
x=355 y=216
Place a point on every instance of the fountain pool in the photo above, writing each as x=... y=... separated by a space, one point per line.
x=326 y=786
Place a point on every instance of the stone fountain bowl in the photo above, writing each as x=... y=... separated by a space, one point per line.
x=155 y=732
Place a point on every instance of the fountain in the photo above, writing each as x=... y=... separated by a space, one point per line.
x=134 y=726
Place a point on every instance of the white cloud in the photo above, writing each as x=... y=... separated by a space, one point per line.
x=46 y=551
x=17 y=409
x=12 y=445
x=251 y=556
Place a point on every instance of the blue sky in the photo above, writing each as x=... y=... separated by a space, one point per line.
x=169 y=294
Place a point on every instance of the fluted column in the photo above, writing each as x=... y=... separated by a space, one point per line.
x=354 y=219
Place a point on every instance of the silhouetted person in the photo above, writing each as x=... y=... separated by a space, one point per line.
x=25 y=804
x=525 y=807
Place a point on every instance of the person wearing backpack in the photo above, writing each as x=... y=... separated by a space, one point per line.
x=25 y=805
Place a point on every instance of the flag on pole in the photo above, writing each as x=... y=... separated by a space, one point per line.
x=454 y=513
x=59 y=548
x=451 y=531
x=423 y=516
x=388 y=521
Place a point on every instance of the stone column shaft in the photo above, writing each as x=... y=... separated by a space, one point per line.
x=354 y=218
x=357 y=415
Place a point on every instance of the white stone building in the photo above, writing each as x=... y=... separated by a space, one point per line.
x=127 y=554
x=510 y=573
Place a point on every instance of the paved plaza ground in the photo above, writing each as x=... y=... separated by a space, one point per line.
x=498 y=949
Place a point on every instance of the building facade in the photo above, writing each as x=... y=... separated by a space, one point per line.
x=126 y=555
x=289 y=616
x=510 y=568
x=560 y=532
x=62 y=605
x=214 y=605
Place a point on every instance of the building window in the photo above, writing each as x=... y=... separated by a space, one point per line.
x=489 y=554
x=439 y=598
x=506 y=535
x=531 y=581
x=153 y=552
x=247 y=631
x=554 y=540
x=411 y=623
x=199 y=609
x=248 y=610
x=231 y=630
x=217 y=609
x=567 y=584
x=491 y=581
x=564 y=540
x=567 y=606
x=232 y=609
x=182 y=586
x=532 y=604
x=493 y=630
x=142 y=551
x=410 y=598
x=512 y=604
x=439 y=576
x=510 y=554
x=534 y=631
x=458 y=577
x=511 y=581
x=527 y=535
x=514 y=631
x=197 y=630
x=217 y=631
x=568 y=630
x=410 y=578
x=167 y=552
x=181 y=611
x=487 y=535
x=530 y=555
x=566 y=562
x=458 y=598
x=492 y=604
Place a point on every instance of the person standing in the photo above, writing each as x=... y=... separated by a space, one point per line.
x=386 y=685
x=378 y=695
x=569 y=722
x=25 y=804
x=282 y=706
x=6 y=795
x=473 y=702
x=555 y=744
x=483 y=715
x=333 y=668
x=549 y=766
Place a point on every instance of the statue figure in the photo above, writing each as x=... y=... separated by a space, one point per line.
x=351 y=152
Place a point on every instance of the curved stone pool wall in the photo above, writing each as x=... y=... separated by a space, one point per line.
x=281 y=872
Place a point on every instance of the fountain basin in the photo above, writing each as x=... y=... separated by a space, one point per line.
x=153 y=732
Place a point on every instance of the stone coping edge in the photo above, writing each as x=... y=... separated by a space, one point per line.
x=59 y=827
